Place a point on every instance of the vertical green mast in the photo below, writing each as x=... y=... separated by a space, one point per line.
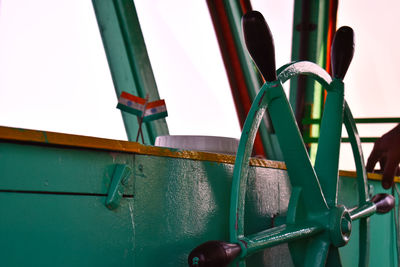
x=128 y=60
x=314 y=23
x=244 y=79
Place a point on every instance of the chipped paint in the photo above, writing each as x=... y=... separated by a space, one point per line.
x=261 y=99
x=45 y=137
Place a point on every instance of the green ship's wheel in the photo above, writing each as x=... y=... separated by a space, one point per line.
x=316 y=226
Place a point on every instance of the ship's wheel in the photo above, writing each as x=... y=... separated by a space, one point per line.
x=316 y=225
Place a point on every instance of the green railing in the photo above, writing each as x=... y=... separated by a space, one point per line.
x=309 y=121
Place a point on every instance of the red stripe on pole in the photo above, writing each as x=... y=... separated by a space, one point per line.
x=332 y=20
x=333 y=8
x=232 y=63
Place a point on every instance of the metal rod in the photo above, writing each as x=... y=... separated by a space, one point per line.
x=278 y=235
x=366 y=210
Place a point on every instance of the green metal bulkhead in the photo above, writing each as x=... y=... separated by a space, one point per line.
x=53 y=205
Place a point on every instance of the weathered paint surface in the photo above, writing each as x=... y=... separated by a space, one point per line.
x=94 y=143
x=64 y=230
x=53 y=202
x=382 y=228
x=53 y=209
x=78 y=141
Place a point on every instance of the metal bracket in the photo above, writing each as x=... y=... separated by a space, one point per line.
x=120 y=178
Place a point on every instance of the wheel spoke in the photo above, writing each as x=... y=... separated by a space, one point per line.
x=327 y=159
x=312 y=252
x=333 y=257
x=317 y=252
x=364 y=243
x=300 y=170
x=355 y=142
x=362 y=184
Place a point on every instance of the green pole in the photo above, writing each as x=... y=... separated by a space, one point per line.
x=311 y=24
x=128 y=61
x=243 y=76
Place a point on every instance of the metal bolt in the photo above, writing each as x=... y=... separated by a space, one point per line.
x=345 y=226
x=195 y=261
x=140 y=167
x=126 y=174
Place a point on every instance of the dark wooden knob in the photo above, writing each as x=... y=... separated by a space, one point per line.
x=213 y=254
x=342 y=51
x=383 y=202
x=260 y=44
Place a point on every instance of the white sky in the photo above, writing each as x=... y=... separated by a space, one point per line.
x=372 y=80
x=54 y=75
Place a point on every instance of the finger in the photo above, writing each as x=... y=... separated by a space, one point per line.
x=373 y=159
x=382 y=163
x=389 y=172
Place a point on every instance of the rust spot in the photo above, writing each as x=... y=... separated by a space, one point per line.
x=45 y=137
x=262 y=97
x=243 y=242
x=237 y=219
x=273 y=219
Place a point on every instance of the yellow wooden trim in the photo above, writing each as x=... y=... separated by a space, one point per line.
x=71 y=140
x=371 y=176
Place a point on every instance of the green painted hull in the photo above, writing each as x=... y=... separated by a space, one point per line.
x=54 y=214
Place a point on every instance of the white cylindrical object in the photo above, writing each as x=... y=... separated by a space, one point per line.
x=214 y=144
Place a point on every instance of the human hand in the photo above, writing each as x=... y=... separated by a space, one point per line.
x=387 y=151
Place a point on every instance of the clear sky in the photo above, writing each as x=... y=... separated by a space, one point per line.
x=372 y=82
x=54 y=75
